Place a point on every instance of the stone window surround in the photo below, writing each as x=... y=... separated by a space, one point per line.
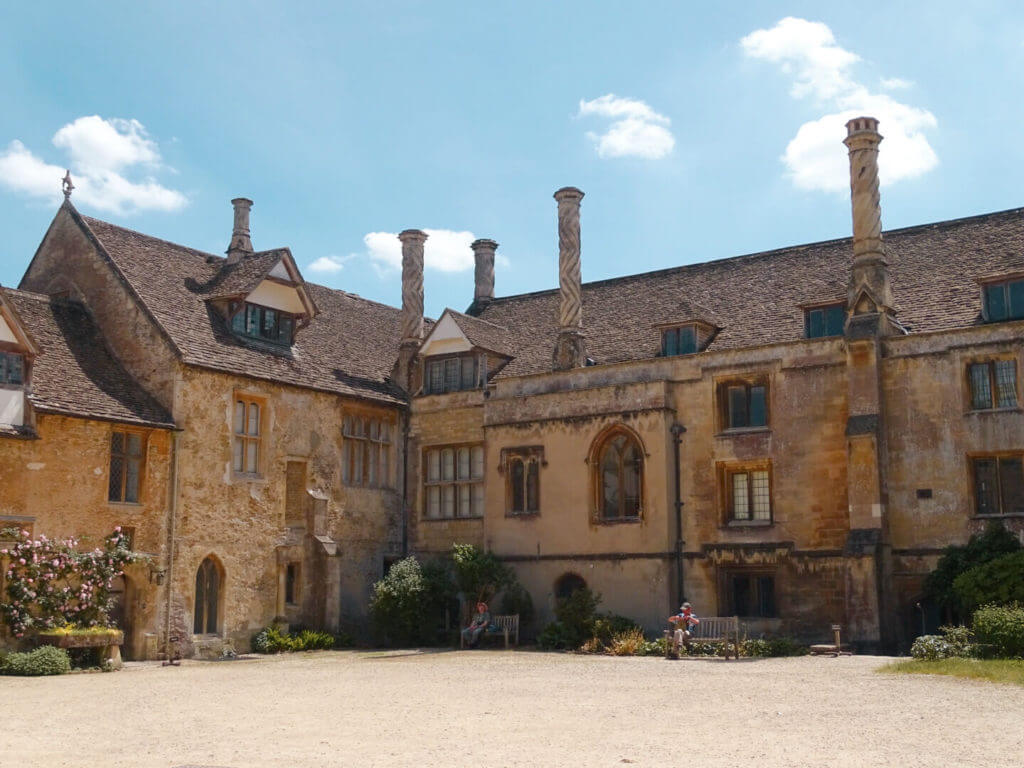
x=527 y=454
x=426 y=484
x=966 y=364
x=725 y=472
x=264 y=421
x=972 y=482
x=594 y=461
x=721 y=395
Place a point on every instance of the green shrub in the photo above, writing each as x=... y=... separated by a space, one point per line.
x=478 y=575
x=998 y=582
x=397 y=605
x=574 y=625
x=930 y=648
x=1000 y=630
x=45 y=660
x=311 y=640
x=608 y=625
x=982 y=548
x=271 y=640
x=960 y=641
x=653 y=647
x=515 y=599
x=706 y=648
x=628 y=643
x=786 y=646
x=756 y=647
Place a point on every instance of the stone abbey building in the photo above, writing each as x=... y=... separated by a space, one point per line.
x=790 y=436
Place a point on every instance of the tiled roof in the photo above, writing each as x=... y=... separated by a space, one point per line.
x=934 y=270
x=350 y=348
x=243 y=276
x=75 y=373
x=483 y=334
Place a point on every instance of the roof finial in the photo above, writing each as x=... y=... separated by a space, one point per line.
x=68 y=186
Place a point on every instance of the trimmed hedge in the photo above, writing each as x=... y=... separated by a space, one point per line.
x=999 y=630
x=998 y=582
x=45 y=660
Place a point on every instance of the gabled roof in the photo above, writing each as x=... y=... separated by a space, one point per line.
x=759 y=298
x=73 y=372
x=349 y=349
x=240 y=279
x=687 y=311
x=479 y=333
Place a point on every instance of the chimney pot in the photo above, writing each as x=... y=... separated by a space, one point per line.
x=241 y=244
x=483 y=256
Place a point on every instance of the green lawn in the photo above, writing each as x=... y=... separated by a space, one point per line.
x=994 y=670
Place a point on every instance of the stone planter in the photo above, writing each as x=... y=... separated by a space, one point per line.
x=109 y=641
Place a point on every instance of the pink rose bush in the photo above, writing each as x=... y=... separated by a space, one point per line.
x=51 y=584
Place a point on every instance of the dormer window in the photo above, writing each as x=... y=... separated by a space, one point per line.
x=681 y=340
x=264 y=323
x=450 y=374
x=12 y=369
x=1004 y=301
x=820 y=322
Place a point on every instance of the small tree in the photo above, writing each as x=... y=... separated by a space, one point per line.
x=479 y=576
x=51 y=584
x=397 y=605
x=994 y=542
x=997 y=582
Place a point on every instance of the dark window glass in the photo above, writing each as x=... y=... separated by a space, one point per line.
x=670 y=342
x=12 y=368
x=752 y=596
x=986 y=486
x=451 y=374
x=207 y=598
x=468 y=373
x=999 y=485
x=981 y=389
x=620 y=467
x=741 y=595
x=1004 y=301
x=533 y=487
x=291 y=583
x=518 y=486
x=815 y=323
x=825 y=321
x=435 y=377
x=679 y=341
x=765 y=596
x=125 y=466
x=238 y=321
x=264 y=323
x=1011 y=485
x=758 y=407
x=1017 y=299
x=746 y=405
x=738 y=416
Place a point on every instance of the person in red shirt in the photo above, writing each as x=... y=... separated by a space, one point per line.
x=684 y=623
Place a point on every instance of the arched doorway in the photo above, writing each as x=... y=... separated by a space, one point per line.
x=208 y=595
x=568 y=583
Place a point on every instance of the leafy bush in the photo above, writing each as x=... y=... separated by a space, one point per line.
x=653 y=647
x=45 y=660
x=982 y=548
x=628 y=643
x=574 y=625
x=312 y=640
x=930 y=648
x=515 y=599
x=608 y=625
x=1000 y=630
x=478 y=575
x=707 y=648
x=999 y=582
x=756 y=647
x=272 y=640
x=397 y=605
x=960 y=641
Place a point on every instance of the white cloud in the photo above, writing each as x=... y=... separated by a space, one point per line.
x=636 y=130
x=327 y=264
x=101 y=154
x=821 y=70
x=444 y=251
x=895 y=83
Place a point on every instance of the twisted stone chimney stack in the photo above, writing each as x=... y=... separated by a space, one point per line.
x=412 y=285
x=570 y=349
x=483 y=255
x=869 y=290
x=241 y=244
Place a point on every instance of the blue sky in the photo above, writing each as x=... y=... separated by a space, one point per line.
x=696 y=134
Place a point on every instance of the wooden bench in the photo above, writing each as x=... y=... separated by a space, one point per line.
x=500 y=626
x=724 y=629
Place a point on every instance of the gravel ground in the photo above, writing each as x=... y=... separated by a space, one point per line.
x=518 y=708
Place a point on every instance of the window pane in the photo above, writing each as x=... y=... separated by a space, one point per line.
x=463 y=454
x=740 y=500
x=981 y=391
x=610 y=481
x=236 y=462
x=117 y=442
x=760 y=494
x=239 y=417
x=835 y=319
x=451 y=374
x=986 y=486
x=131 y=485
x=687 y=340
x=1006 y=383
x=134 y=444
x=1017 y=300
x=371 y=464
x=357 y=462
x=738 y=407
x=433 y=466
x=254 y=419
x=468 y=372
x=518 y=480
x=447 y=464
x=436 y=377
x=670 y=342
x=815 y=323
x=252 y=320
x=15 y=369
x=346 y=451
x=741 y=595
x=116 y=477
x=533 y=487
x=478 y=462
x=447 y=501
x=284 y=331
x=385 y=467
x=766 y=596
x=478 y=499
x=374 y=429
x=251 y=456
x=630 y=481
x=385 y=432
x=758 y=407
x=995 y=301
x=434 y=502
x=269 y=325
x=238 y=321
x=465 y=500
x=1011 y=484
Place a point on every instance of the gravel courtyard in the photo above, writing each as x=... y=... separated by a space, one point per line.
x=517 y=708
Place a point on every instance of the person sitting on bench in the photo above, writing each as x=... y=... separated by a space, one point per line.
x=478 y=626
x=684 y=622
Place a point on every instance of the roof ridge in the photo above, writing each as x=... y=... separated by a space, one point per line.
x=943 y=224
x=205 y=254
x=475 y=319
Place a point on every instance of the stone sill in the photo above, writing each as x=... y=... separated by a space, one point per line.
x=999 y=517
x=522 y=515
x=619 y=521
x=128 y=504
x=242 y=477
x=987 y=411
x=734 y=524
x=478 y=518
x=743 y=431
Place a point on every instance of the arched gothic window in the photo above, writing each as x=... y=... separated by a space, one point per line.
x=207 y=598
x=619 y=477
